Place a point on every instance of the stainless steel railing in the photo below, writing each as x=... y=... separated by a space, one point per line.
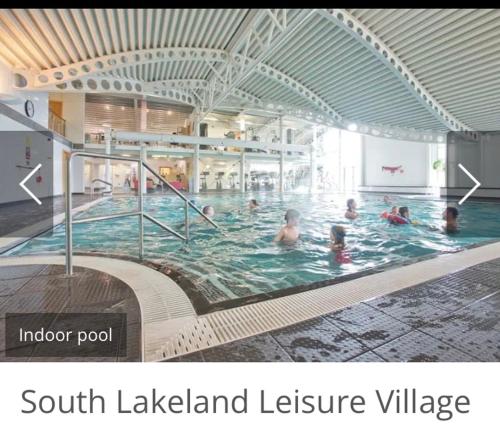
x=140 y=213
x=92 y=186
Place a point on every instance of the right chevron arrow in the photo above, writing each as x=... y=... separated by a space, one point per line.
x=470 y=192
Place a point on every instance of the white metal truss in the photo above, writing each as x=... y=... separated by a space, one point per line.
x=64 y=77
x=193 y=85
x=368 y=38
x=106 y=63
x=265 y=32
x=114 y=85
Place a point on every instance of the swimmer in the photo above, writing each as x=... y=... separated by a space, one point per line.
x=385 y=214
x=403 y=216
x=252 y=204
x=387 y=199
x=450 y=215
x=351 y=209
x=290 y=231
x=208 y=210
x=337 y=235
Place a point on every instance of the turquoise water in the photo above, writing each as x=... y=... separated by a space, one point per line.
x=242 y=259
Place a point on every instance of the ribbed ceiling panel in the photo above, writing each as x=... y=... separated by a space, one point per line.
x=453 y=53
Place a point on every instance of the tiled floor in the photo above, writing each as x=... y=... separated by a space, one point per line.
x=19 y=215
x=45 y=289
x=455 y=318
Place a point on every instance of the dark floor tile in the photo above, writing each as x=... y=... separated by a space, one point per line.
x=2 y=335
x=260 y=348
x=420 y=347
x=196 y=357
x=134 y=344
x=480 y=275
x=489 y=267
x=52 y=301
x=408 y=309
x=474 y=330
x=88 y=291
x=449 y=294
x=318 y=340
x=11 y=286
x=494 y=301
x=370 y=326
x=16 y=272
x=368 y=357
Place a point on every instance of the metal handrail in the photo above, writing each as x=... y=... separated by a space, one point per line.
x=176 y=191
x=140 y=213
x=100 y=181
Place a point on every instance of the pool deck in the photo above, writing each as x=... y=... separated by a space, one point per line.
x=455 y=318
x=46 y=289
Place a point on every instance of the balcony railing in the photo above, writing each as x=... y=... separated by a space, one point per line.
x=57 y=123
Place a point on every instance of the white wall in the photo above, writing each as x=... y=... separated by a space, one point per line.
x=480 y=158
x=413 y=157
x=13 y=163
x=17 y=99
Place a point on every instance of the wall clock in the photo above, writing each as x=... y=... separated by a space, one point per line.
x=29 y=108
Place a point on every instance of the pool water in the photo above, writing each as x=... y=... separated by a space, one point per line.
x=240 y=259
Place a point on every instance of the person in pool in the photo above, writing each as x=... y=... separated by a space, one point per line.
x=450 y=215
x=337 y=245
x=208 y=210
x=403 y=216
x=394 y=211
x=351 y=209
x=252 y=204
x=290 y=232
x=337 y=238
x=387 y=199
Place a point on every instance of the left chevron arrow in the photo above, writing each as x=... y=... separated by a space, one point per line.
x=29 y=192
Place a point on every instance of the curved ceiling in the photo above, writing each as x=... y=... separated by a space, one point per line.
x=401 y=70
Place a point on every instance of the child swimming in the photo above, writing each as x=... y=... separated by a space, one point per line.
x=403 y=216
x=337 y=238
x=385 y=214
x=351 y=209
x=450 y=214
x=252 y=204
x=208 y=210
x=337 y=245
x=290 y=232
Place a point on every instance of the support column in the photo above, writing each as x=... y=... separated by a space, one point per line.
x=143 y=115
x=314 y=166
x=242 y=171
x=282 y=157
x=107 y=162
x=196 y=157
x=144 y=157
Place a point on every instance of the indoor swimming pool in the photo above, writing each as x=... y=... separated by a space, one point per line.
x=240 y=259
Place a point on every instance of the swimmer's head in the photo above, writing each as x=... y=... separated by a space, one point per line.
x=253 y=203
x=404 y=211
x=208 y=210
x=351 y=204
x=338 y=234
x=387 y=199
x=292 y=217
x=450 y=213
x=394 y=210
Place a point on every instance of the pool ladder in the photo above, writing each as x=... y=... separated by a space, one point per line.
x=92 y=187
x=140 y=213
